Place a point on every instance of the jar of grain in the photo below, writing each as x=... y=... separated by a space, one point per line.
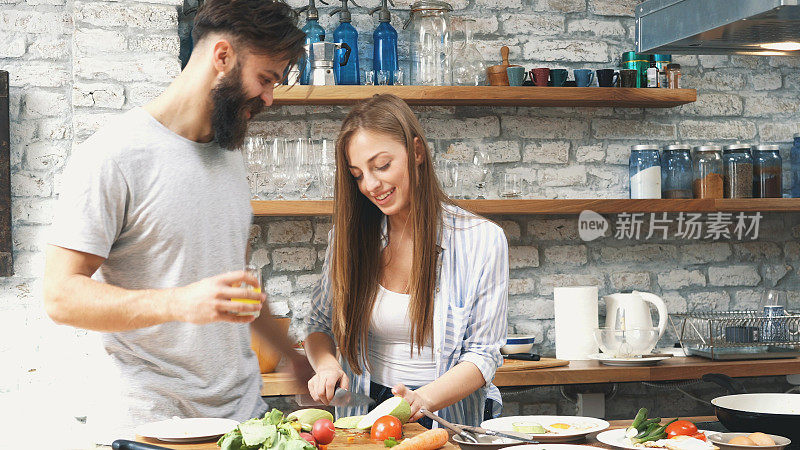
x=707 y=170
x=737 y=166
x=767 y=172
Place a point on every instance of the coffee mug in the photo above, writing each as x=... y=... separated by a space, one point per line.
x=558 y=77
x=540 y=76
x=583 y=77
x=606 y=77
x=516 y=75
x=628 y=78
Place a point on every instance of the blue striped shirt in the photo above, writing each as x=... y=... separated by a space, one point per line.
x=470 y=308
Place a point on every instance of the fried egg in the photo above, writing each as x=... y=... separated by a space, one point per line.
x=565 y=428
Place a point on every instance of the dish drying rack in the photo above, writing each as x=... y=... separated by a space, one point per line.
x=735 y=335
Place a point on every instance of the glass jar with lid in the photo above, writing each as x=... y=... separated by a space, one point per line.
x=767 y=172
x=707 y=170
x=430 y=45
x=644 y=169
x=795 y=158
x=737 y=165
x=676 y=171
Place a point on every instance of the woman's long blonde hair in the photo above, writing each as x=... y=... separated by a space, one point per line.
x=355 y=266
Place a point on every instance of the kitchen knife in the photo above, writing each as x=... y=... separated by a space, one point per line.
x=506 y=434
x=342 y=397
x=124 y=444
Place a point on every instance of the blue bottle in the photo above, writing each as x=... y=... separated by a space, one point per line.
x=345 y=32
x=384 y=50
x=795 y=157
x=314 y=33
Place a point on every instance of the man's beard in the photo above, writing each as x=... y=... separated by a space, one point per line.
x=228 y=118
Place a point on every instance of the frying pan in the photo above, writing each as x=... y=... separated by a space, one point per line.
x=769 y=413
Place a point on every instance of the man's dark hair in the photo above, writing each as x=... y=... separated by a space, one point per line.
x=264 y=26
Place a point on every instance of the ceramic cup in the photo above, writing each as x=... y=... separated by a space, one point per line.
x=606 y=77
x=540 y=76
x=558 y=77
x=583 y=77
x=628 y=78
x=516 y=75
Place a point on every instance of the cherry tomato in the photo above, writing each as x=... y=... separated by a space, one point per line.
x=323 y=431
x=700 y=436
x=681 y=428
x=386 y=427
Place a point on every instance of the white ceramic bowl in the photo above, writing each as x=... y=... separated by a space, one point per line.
x=518 y=343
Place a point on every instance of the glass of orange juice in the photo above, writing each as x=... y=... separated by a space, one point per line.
x=255 y=272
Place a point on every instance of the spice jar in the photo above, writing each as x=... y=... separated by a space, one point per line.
x=676 y=171
x=673 y=75
x=707 y=169
x=737 y=164
x=767 y=172
x=644 y=169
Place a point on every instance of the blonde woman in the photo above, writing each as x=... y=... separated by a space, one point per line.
x=414 y=290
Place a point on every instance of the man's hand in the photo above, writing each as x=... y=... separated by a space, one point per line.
x=322 y=386
x=414 y=398
x=209 y=300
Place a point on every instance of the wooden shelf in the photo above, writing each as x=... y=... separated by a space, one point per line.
x=550 y=207
x=489 y=96
x=584 y=372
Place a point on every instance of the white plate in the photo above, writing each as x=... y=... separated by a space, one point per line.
x=612 y=361
x=507 y=424
x=616 y=438
x=186 y=430
x=553 y=447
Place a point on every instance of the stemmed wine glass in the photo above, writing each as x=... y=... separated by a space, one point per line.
x=303 y=166
x=255 y=156
x=481 y=166
x=279 y=166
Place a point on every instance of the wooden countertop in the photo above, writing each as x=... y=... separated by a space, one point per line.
x=583 y=372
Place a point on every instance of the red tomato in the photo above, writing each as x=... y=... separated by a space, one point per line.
x=700 y=436
x=323 y=431
x=681 y=428
x=309 y=438
x=387 y=427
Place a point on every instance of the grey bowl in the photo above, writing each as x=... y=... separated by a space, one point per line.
x=721 y=441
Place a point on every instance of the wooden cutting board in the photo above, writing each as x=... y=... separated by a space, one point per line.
x=344 y=439
x=511 y=365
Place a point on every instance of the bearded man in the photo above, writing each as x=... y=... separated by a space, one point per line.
x=150 y=235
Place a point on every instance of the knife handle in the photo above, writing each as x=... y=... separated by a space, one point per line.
x=124 y=444
x=523 y=356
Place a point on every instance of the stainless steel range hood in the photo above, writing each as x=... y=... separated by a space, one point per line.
x=717 y=26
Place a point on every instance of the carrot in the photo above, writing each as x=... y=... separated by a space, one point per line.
x=429 y=440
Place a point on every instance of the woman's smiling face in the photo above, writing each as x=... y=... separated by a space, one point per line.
x=379 y=164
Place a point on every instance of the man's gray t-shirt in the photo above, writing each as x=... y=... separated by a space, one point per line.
x=165 y=212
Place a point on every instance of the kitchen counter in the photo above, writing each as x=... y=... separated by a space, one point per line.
x=583 y=372
x=362 y=441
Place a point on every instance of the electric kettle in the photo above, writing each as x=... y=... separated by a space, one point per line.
x=626 y=311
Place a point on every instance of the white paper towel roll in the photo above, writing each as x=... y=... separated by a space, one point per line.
x=576 y=320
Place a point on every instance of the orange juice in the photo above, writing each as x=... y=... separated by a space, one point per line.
x=256 y=273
